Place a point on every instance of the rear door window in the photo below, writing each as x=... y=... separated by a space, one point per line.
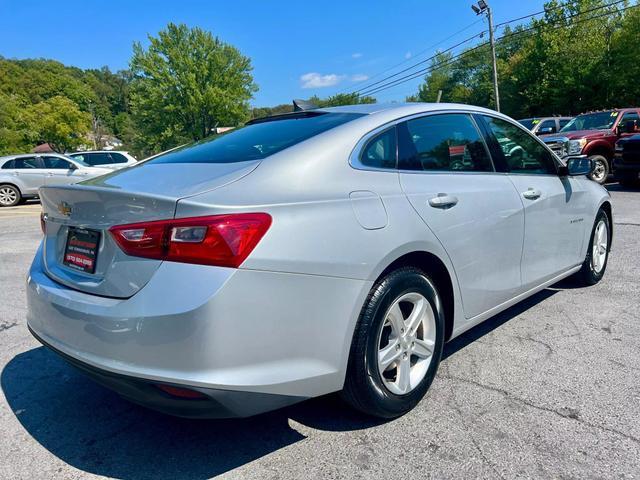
x=26 y=163
x=117 y=157
x=444 y=142
x=56 y=163
x=98 y=158
x=258 y=139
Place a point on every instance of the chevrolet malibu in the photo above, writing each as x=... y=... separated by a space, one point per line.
x=312 y=252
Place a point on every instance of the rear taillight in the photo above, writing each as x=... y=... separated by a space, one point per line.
x=222 y=240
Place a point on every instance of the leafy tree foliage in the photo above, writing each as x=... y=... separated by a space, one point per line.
x=572 y=60
x=341 y=99
x=332 y=101
x=59 y=122
x=186 y=83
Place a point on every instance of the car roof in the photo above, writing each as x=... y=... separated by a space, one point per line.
x=97 y=151
x=402 y=108
x=29 y=155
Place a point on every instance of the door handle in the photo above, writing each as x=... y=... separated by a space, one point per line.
x=532 y=194
x=443 y=200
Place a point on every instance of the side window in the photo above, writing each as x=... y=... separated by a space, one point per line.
x=97 y=159
x=564 y=121
x=522 y=152
x=442 y=142
x=380 y=151
x=630 y=117
x=8 y=164
x=80 y=157
x=119 y=158
x=548 y=124
x=56 y=163
x=26 y=163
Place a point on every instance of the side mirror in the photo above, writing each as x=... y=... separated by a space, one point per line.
x=577 y=166
x=73 y=166
x=546 y=130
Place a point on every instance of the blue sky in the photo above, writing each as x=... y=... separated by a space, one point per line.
x=298 y=49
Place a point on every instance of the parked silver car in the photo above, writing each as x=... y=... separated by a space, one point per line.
x=325 y=250
x=112 y=159
x=22 y=175
x=545 y=125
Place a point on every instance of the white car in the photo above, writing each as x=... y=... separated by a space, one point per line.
x=308 y=253
x=105 y=158
x=22 y=175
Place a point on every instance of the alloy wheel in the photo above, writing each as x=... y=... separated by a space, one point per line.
x=406 y=343
x=600 y=246
x=8 y=196
x=599 y=171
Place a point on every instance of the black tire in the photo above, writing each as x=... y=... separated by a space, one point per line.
x=628 y=178
x=364 y=388
x=601 y=170
x=9 y=195
x=588 y=275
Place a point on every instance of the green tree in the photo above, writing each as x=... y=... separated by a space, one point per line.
x=341 y=99
x=13 y=130
x=186 y=83
x=59 y=122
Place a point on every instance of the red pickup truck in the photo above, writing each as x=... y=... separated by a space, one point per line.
x=595 y=134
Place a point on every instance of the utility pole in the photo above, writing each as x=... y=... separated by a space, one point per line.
x=480 y=8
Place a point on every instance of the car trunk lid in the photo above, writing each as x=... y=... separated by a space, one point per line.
x=143 y=193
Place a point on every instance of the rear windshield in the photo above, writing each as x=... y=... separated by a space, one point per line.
x=257 y=140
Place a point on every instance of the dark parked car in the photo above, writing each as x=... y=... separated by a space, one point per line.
x=595 y=135
x=626 y=161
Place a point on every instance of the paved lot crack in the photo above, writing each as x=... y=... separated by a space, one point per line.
x=475 y=443
x=6 y=326
x=564 y=413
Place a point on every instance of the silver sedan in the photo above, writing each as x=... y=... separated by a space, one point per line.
x=318 y=251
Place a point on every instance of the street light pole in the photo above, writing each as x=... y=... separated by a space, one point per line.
x=493 y=58
x=479 y=9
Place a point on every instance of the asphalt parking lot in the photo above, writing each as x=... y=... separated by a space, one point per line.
x=548 y=389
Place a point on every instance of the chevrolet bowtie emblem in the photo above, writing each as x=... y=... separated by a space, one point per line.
x=65 y=209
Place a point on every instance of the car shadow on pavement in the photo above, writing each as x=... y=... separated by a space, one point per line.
x=94 y=430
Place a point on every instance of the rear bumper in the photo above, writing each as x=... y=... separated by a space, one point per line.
x=214 y=404
x=232 y=334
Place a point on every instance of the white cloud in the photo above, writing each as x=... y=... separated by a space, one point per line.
x=408 y=55
x=356 y=55
x=359 y=77
x=317 y=80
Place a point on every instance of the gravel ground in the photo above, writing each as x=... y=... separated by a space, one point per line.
x=547 y=389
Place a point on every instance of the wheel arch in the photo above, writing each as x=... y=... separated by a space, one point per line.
x=2 y=182
x=439 y=274
x=601 y=148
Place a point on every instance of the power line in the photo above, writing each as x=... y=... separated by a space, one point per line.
x=365 y=89
x=421 y=52
x=406 y=78
x=466 y=40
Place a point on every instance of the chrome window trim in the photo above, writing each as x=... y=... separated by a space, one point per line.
x=354 y=157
